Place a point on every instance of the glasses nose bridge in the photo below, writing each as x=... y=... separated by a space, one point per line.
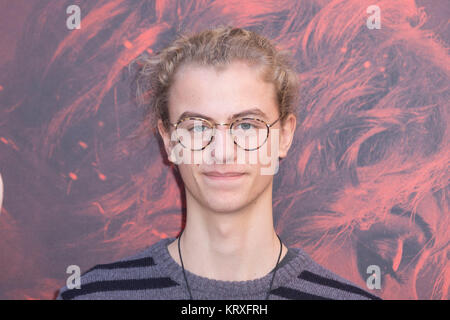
x=222 y=124
x=225 y=133
x=222 y=142
x=226 y=125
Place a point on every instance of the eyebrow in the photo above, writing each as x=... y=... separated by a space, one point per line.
x=254 y=111
x=418 y=220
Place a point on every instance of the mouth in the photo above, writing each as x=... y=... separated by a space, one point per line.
x=226 y=176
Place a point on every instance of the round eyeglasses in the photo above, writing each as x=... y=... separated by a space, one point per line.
x=247 y=133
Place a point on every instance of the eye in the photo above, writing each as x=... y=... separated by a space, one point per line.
x=199 y=128
x=195 y=126
x=370 y=254
x=248 y=124
x=393 y=253
x=245 y=126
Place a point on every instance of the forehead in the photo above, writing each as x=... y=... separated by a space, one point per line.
x=220 y=92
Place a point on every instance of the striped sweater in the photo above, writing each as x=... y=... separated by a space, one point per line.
x=154 y=274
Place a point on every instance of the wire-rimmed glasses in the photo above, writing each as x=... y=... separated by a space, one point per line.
x=248 y=133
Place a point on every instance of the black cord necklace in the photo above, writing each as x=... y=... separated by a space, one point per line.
x=187 y=284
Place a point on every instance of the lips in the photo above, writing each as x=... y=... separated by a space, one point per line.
x=223 y=176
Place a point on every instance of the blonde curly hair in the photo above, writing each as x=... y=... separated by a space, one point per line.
x=215 y=47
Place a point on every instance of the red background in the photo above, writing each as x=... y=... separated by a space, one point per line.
x=366 y=181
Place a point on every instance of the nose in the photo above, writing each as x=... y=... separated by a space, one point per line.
x=223 y=147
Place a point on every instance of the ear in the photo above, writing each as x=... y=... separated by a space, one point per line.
x=287 y=134
x=165 y=135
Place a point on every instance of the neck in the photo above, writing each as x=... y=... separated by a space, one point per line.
x=236 y=245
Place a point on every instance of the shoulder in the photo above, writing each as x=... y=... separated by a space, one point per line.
x=120 y=279
x=317 y=282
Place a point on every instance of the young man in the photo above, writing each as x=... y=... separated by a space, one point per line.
x=220 y=97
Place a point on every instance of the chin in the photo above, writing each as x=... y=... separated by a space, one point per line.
x=226 y=204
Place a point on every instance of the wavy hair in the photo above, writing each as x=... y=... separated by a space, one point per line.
x=216 y=47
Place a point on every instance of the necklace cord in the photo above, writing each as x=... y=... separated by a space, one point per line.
x=187 y=284
x=184 y=273
x=276 y=267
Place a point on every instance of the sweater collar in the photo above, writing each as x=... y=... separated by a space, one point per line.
x=169 y=267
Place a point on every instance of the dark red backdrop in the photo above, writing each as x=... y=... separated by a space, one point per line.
x=366 y=182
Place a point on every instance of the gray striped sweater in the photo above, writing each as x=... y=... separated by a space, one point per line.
x=154 y=274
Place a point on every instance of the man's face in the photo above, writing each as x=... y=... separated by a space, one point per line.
x=219 y=95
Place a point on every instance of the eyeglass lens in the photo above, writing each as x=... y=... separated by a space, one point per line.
x=247 y=133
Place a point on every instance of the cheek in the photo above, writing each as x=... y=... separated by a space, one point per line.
x=262 y=180
x=187 y=173
x=268 y=157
